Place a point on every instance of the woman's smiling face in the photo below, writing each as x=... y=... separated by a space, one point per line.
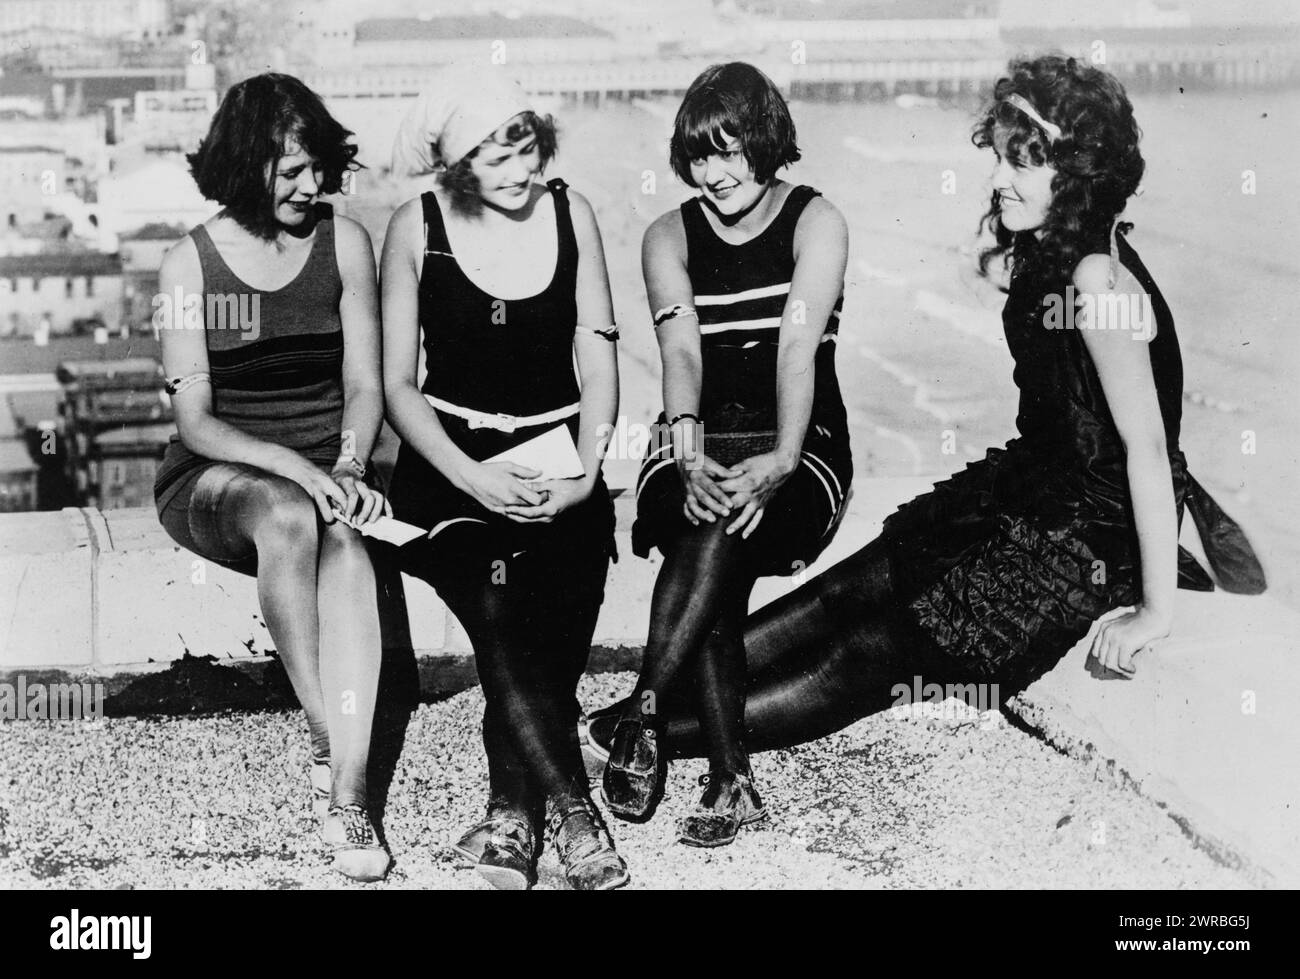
x=1024 y=190
x=296 y=186
x=726 y=178
x=506 y=172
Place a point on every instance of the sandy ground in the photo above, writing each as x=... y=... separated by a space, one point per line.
x=221 y=801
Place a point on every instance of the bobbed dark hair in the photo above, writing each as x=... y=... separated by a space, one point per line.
x=255 y=123
x=735 y=99
x=463 y=187
x=1097 y=161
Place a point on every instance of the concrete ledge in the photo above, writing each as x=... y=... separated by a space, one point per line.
x=99 y=592
x=1206 y=729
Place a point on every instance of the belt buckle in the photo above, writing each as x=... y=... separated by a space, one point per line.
x=499 y=421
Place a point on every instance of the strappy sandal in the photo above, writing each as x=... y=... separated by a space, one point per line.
x=354 y=845
x=710 y=825
x=584 y=847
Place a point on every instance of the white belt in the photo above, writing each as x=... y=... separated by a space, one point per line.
x=499 y=420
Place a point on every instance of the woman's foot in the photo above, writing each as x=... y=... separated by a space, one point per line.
x=470 y=846
x=633 y=782
x=584 y=847
x=321 y=782
x=594 y=736
x=509 y=853
x=730 y=801
x=355 y=848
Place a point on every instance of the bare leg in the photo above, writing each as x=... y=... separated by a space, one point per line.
x=281 y=522
x=349 y=657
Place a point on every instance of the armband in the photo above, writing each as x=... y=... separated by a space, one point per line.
x=672 y=312
x=610 y=334
x=175 y=385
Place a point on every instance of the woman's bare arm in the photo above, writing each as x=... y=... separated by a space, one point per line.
x=1123 y=363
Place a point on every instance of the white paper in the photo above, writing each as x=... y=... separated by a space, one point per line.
x=552 y=453
x=386 y=529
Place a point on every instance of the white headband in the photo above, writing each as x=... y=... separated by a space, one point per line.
x=1022 y=103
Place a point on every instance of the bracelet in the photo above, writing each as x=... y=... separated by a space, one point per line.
x=175 y=385
x=684 y=415
x=672 y=312
x=352 y=464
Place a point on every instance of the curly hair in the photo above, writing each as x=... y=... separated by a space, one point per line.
x=1097 y=161
x=254 y=125
x=735 y=99
x=463 y=187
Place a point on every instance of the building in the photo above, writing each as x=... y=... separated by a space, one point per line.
x=29 y=174
x=875 y=21
x=136 y=19
x=18 y=471
x=118 y=421
x=491 y=39
x=157 y=190
x=58 y=294
x=18 y=475
x=142 y=253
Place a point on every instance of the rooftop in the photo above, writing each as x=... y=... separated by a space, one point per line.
x=870 y=9
x=473 y=26
x=19 y=355
x=66 y=264
x=14 y=457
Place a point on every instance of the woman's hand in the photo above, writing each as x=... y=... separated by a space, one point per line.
x=701 y=478
x=757 y=479
x=498 y=485
x=560 y=494
x=1119 y=639
x=323 y=490
x=362 y=503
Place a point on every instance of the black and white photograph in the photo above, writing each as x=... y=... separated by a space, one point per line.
x=837 y=445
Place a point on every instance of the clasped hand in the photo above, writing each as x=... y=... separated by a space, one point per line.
x=742 y=491
x=512 y=491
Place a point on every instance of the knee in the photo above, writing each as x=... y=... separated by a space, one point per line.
x=286 y=516
x=344 y=543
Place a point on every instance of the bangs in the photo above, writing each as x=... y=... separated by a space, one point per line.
x=707 y=127
x=733 y=101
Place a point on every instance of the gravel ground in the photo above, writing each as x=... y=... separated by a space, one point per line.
x=221 y=801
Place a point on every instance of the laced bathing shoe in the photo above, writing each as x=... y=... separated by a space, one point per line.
x=355 y=848
x=470 y=846
x=584 y=847
x=634 y=777
x=509 y=854
x=730 y=801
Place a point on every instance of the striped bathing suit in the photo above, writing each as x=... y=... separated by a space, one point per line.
x=740 y=293
x=276 y=365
